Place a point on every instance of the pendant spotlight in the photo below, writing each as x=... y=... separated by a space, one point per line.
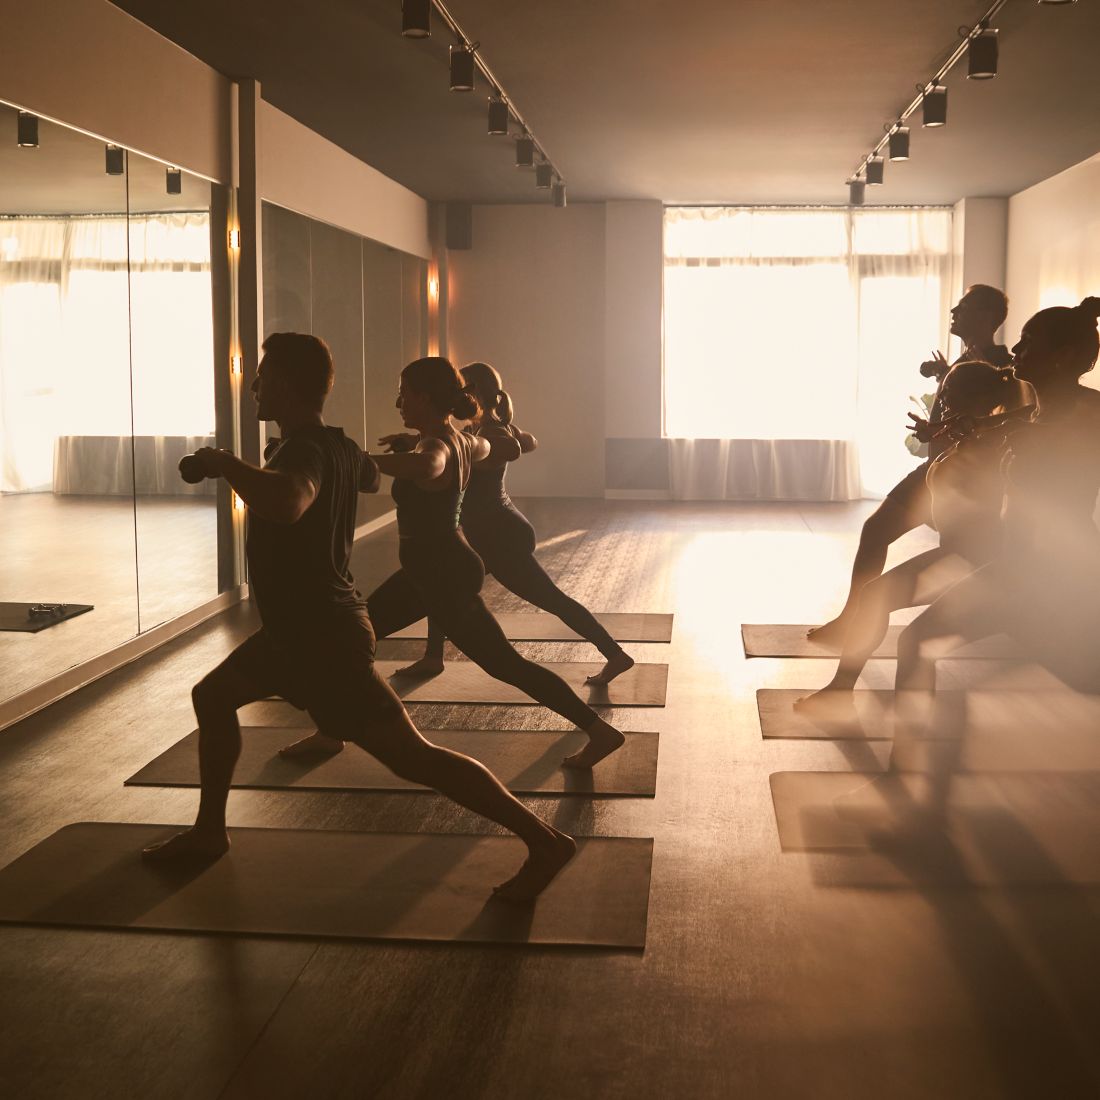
x=981 y=55
x=899 y=143
x=466 y=67
x=856 y=189
x=115 y=160
x=934 y=105
x=27 y=130
x=979 y=43
x=174 y=181
x=525 y=153
x=875 y=166
x=416 y=18
x=462 y=68
x=498 y=116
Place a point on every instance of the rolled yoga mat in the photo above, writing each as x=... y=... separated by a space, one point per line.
x=525 y=761
x=999 y=830
x=527 y=626
x=325 y=883
x=789 y=640
x=465 y=682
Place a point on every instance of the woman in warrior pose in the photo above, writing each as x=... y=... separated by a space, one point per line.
x=502 y=536
x=966 y=490
x=440 y=576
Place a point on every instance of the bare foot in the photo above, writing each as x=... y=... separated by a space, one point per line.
x=616 y=666
x=831 y=706
x=539 y=869
x=830 y=634
x=603 y=740
x=316 y=744
x=192 y=846
x=423 y=669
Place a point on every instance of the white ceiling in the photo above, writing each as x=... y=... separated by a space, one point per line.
x=740 y=101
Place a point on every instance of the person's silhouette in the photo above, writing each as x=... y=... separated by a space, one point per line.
x=440 y=576
x=975 y=319
x=966 y=491
x=501 y=534
x=316 y=646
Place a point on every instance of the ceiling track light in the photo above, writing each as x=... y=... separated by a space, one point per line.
x=981 y=54
x=899 y=143
x=544 y=174
x=27 y=130
x=525 y=153
x=416 y=18
x=856 y=190
x=498 y=116
x=115 y=159
x=174 y=181
x=465 y=66
x=980 y=44
x=934 y=105
x=462 y=67
x=557 y=192
x=875 y=165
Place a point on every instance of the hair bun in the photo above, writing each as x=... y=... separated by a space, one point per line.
x=1090 y=307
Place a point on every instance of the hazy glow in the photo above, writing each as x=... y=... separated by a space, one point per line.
x=803 y=324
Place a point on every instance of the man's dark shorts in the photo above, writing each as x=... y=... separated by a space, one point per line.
x=329 y=673
x=912 y=496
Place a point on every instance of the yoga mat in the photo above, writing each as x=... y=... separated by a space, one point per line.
x=526 y=626
x=993 y=731
x=326 y=883
x=525 y=761
x=998 y=830
x=789 y=640
x=465 y=682
x=16 y=616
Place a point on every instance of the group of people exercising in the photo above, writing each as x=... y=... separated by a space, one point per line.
x=1010 y=484
x=316 y=644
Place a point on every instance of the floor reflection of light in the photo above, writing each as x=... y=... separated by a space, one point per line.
x=558 y=540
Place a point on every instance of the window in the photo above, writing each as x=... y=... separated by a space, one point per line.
x=803 y=324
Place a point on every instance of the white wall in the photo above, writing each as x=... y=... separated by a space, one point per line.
x=89 y=65
x=529 y=299
x=302 y=171
x=634 y=263
x=1054 y=242
x=980 y=230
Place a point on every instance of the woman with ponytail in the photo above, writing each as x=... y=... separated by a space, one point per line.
x=503 y=537
x=440 y=576
x=966 y=490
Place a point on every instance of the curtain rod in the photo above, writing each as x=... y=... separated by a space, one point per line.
x=105 y=214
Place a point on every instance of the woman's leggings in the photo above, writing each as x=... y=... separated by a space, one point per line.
x=505 y=541
x=442 y=579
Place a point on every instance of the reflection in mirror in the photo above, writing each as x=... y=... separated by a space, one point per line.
x=66 y=469
x=174 y=239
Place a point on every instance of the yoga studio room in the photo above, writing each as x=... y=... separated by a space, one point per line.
x=549 y=551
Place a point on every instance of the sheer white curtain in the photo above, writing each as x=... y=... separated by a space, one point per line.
x=792 y=340
x=105 y=332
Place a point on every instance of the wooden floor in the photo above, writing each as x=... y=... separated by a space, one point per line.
x=757 y=981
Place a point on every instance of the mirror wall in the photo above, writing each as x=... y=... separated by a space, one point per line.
x=109 y=347
x=365 y=299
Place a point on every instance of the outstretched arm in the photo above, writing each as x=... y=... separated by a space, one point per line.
x=425 y=462
x=281 y=496
x=370 y=477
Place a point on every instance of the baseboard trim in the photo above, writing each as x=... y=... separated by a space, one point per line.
x=637 y=494
x=375 y=524
x=73 y=679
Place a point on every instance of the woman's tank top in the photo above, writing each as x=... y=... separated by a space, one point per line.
x=486 y=492
x=432 y=514
x=967 y=490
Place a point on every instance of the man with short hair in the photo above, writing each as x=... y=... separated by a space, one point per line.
x=977 y=316
x=316 y=645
